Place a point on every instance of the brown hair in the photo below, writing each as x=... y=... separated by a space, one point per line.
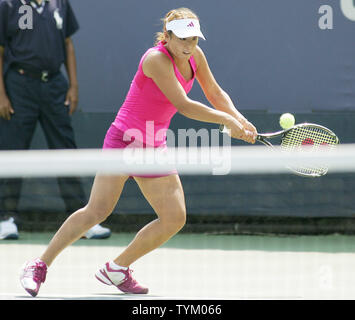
x=175 y=14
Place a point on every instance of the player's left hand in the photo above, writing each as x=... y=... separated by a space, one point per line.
x=251 y=129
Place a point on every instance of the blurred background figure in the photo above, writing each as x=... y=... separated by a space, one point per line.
x=35 y=42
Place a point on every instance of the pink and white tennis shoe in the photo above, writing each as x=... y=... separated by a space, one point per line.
x=33 y=274
x=122 y=279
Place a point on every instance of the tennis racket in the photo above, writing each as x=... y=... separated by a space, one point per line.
x=301 y=137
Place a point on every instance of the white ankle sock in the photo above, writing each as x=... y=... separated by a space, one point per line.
x=115 y=266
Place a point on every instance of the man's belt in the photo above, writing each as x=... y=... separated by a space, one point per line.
x=42 y=75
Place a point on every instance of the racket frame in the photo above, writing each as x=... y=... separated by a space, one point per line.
x=263 y=138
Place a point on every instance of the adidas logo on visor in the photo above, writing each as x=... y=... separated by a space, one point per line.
x=184 y=28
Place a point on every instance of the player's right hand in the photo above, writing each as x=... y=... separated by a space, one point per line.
x=239 y=131
x=249 y=136
x=250 y=132
x=6 y=109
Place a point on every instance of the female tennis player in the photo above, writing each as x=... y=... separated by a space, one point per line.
x=159 y=89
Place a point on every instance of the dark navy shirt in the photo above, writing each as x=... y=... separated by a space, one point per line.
x=38 y=42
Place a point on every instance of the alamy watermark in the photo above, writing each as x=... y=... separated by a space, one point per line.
x=326 y=20
x=188 y=149
x=25 y=21
x=348 y=9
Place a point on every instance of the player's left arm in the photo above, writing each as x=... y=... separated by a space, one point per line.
x=218 y=98
x=70 y=64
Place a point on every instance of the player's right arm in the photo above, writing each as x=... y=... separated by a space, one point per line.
x=5 y=105
x=159 y=68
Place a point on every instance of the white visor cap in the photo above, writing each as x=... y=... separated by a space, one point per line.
x=185 y=28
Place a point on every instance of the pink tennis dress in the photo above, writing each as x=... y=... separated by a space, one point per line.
x=145 y=115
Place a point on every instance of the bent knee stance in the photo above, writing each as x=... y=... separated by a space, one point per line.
x=96 y=215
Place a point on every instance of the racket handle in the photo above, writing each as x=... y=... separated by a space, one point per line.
x=224 y=129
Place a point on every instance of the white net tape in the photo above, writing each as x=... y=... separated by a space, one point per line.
x=204 y=160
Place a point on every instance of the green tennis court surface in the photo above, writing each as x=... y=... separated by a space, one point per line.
x=194 y=266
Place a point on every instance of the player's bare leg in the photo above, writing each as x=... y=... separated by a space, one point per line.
x=105 y=193
x=166 y=197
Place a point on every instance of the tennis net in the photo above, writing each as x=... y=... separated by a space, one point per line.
x=191 y=160
x=240 y=189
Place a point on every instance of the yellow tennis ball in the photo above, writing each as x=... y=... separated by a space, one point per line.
x=287 y=120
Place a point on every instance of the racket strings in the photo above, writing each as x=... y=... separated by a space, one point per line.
x=308 y=139
x=308 y=136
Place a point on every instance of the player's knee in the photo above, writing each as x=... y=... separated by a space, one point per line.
x=98 y=214
x=176 y=221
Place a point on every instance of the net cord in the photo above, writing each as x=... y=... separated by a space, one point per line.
x=204 y=160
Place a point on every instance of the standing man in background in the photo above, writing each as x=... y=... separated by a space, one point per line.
x=35 y=41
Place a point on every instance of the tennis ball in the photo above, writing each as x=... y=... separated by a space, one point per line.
x=287 y=120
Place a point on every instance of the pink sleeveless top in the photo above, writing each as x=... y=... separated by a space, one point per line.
x=146 y=112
